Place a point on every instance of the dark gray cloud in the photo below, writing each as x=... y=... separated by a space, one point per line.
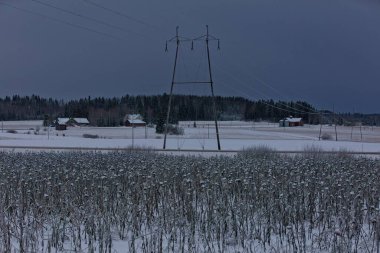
x=326 y=51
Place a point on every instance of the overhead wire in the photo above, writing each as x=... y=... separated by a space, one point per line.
x=95 y=20
x=121 y=14
x=314 y=111
x=236 y=91
x=273 y=89
x=249 y=74
x=63 y=21
x=291 y=109
x=298 y=104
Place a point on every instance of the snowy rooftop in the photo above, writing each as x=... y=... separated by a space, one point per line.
x=293 y=119
x=81 y=121
x=77 y=120
x=134 y=118
x=136 y=121
x=63 y=120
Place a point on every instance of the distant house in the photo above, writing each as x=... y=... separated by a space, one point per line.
x=291 y=122
x=62 y=123
x=134 y=120
x=60 y=127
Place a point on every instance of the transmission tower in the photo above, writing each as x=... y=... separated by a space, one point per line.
x=178 y=40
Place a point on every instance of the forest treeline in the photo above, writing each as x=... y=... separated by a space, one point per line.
x=103 y=111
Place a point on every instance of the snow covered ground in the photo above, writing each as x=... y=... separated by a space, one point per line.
x=170 y=225
x=235 y=135
x=145 y=202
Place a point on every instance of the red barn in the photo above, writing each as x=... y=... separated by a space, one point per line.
x=291 y=122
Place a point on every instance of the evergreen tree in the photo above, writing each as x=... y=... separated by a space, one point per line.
x=110 y=111
x=160 y=127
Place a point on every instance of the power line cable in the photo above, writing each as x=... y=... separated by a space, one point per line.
x=236 y=91
x=312 y=112
x=274 y=89
x=293 y=110
x=87 y=18
x=281 y=93
x=119 y=13
x=268 y=97
x=63 y=21
x=277 y=91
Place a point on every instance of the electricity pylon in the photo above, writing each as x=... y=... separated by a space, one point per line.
x=178 y=39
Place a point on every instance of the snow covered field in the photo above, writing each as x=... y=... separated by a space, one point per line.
x=144 y=202
x=235 y=135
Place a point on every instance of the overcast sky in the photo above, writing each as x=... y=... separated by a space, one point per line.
x=326 y=52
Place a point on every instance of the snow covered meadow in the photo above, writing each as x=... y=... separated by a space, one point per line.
x=146 y=201
x=235 y=136
x=133 y=201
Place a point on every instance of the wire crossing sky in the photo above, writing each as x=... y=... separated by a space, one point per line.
x=325 y=52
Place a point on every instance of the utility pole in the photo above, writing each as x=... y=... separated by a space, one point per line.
x=334 y=119
x=133 y=136
x=178 y=40
x=212 y=87
x=320 y=123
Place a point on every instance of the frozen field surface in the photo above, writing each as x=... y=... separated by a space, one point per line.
x=234 y=135
x=144 y=202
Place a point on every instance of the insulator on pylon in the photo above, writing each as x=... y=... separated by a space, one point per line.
x=166 y=46
x=218 y=45
x=192 y=45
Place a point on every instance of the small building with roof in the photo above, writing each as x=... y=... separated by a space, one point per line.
x=291 y=122
x=134 y=120
x=63 y=123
